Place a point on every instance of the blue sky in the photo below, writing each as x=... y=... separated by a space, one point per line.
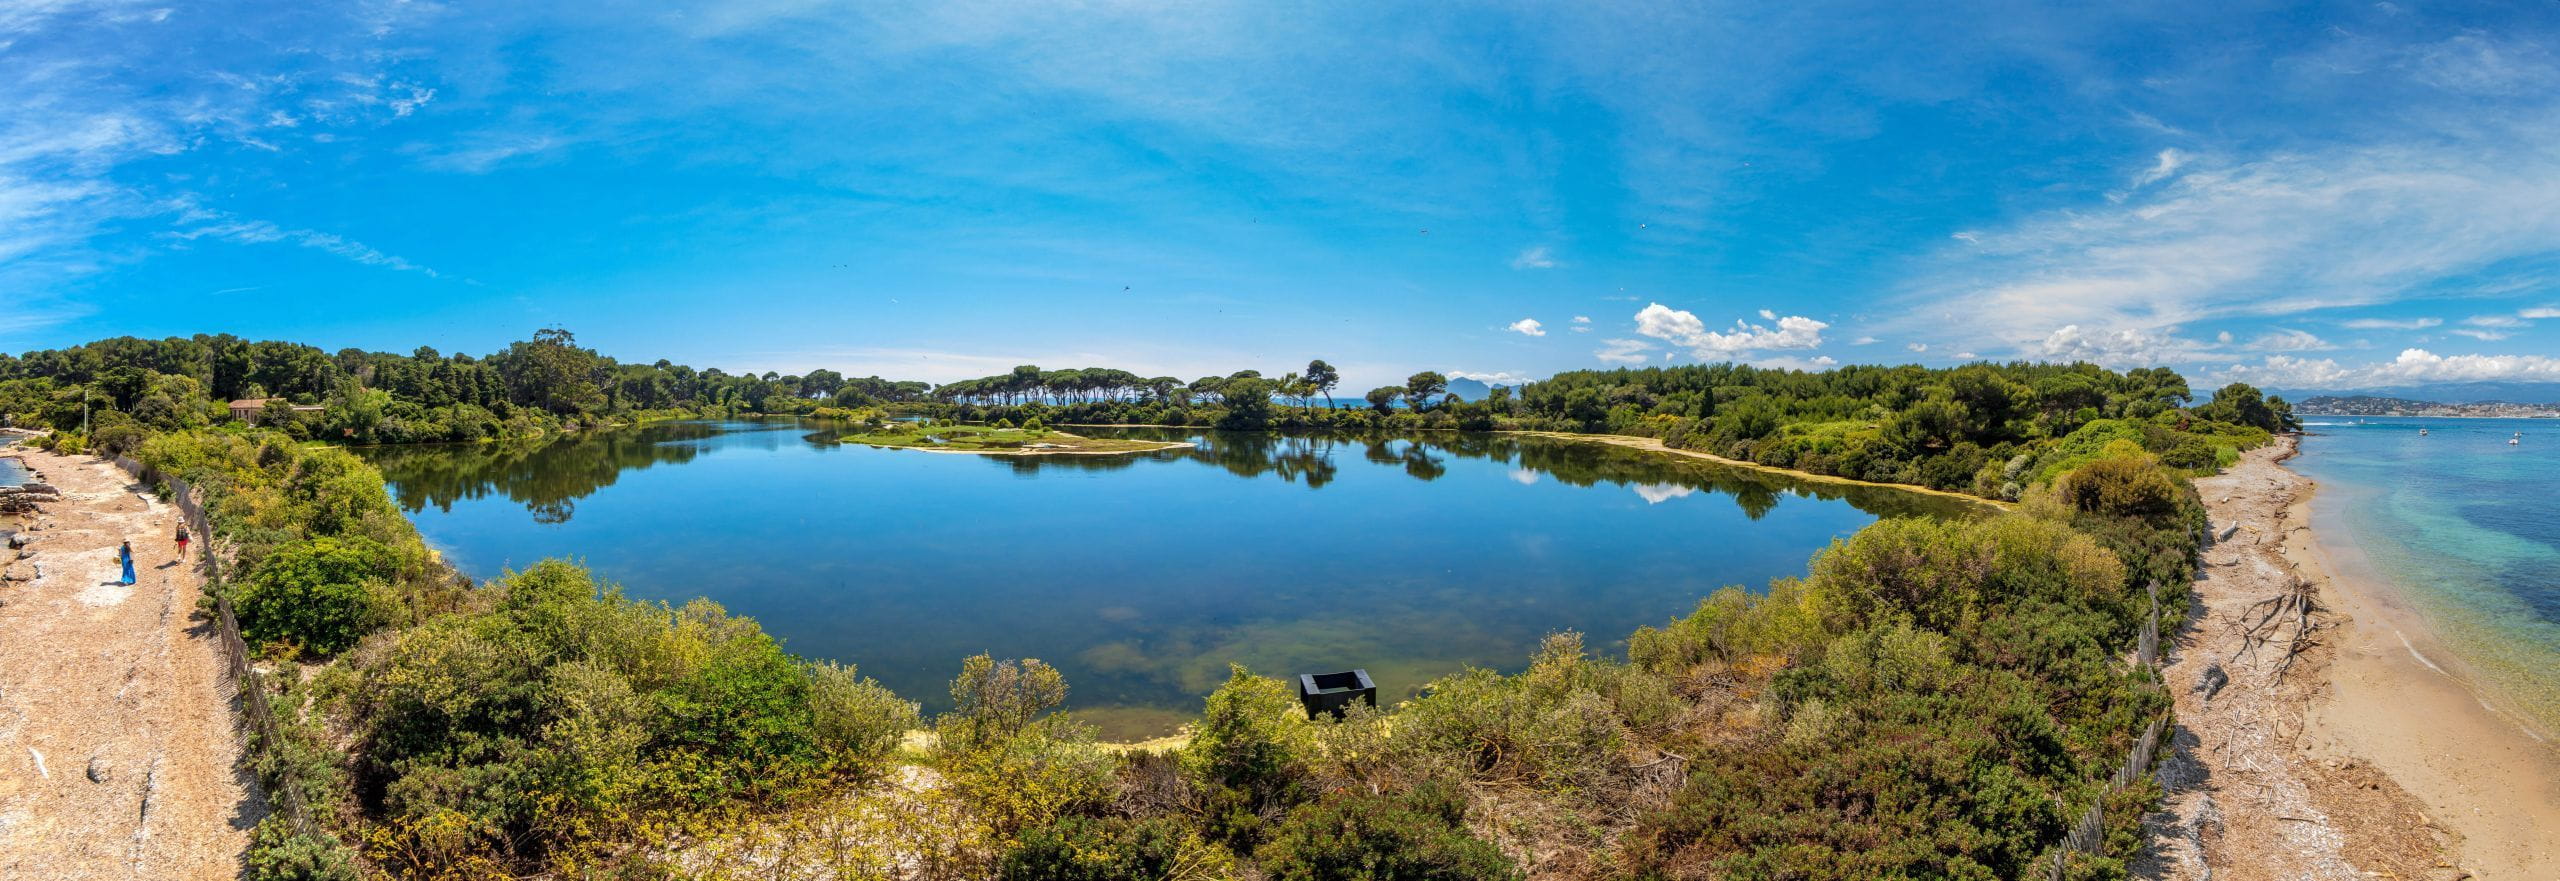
x=2304 y=196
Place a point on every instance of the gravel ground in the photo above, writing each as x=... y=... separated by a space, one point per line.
x=119 y=750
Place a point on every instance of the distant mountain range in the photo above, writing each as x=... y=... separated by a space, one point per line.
x=1473 y=389
x=2377 y=405
x=2447 y=393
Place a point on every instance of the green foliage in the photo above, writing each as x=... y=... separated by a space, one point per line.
x=1947 y=575
x=277 y=854
x=1248 y=755
x=1554 y=726
x=1088 y=849
x=1414 y=835
x=2122 y=487
x=318 y=593
x=992 y=701
x=857 y=719
x=568 y=717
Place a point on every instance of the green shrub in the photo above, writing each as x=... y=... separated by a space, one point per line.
x=1414 y=835
x=1089 y=849
x=858 y=719
x=319 y=593
x=1554 y=726
x=277 y=854
x=2122 y=487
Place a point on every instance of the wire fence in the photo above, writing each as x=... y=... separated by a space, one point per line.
x=251 y=684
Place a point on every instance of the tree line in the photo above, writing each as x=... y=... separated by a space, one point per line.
x=117 y=388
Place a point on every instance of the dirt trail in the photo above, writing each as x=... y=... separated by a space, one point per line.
x=119 y=751
x=2262 y=784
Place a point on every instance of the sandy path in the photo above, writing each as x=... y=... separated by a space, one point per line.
x=2358 y=761
x=122 y=679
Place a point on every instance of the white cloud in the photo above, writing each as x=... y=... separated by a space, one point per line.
x=1534 y=258
x=2219 y=234
x=2486 y=335
x=1527 y=327
x=1917 y=347
x=1683 y=328
x=2412 y=367
x=2122 y=347
x=2540 y=312
x=2391 y=324
x=1622 y=351
x=1500 y=377
x=1768 y=315
x=2285 y=340
x=2161 y=168
x=1524 y=477
x=2495 y=321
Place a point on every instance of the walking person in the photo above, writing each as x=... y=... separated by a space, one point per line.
x=182 y=541
x=125 y=551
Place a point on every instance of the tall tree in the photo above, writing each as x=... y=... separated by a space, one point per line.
x=1324 y=378
x=1419 y=388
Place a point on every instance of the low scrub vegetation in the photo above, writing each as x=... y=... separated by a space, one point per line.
x=1932 y=698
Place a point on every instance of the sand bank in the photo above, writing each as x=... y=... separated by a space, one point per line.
x=2332 y=745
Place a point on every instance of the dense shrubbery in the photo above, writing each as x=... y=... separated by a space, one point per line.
x=1935 y=698
x=321 y=594
x=1414 y=835
x=277 y=854
x=567 y=720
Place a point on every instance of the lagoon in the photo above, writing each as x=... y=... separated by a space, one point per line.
x=1140 y=576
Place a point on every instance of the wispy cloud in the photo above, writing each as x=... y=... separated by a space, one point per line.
x=2391 y=323
x=2288 y=340
x=254 y=232
x=1534 y=258
x=1623 y=351
x=2433 y=194
x=1526 y=327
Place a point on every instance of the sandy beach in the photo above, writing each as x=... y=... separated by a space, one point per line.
x=119 y=756
x=2323 y=731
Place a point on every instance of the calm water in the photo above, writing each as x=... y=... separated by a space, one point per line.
x=1139 y=576
x=2466 y=526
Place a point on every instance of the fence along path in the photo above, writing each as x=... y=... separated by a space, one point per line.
x=2088 y=835
x=285 y=800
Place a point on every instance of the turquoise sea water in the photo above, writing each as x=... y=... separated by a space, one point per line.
x=2466 y=527
x=1140 y=576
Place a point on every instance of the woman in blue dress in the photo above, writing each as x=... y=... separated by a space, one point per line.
x=126 y=552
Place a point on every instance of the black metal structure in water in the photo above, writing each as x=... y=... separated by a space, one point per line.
x=1332 y=692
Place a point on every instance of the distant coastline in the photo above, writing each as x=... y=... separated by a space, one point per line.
x=2372 y=405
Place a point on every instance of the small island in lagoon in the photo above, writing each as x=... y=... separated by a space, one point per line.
x=998 y=439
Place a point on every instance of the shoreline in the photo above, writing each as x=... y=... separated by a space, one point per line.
x=2330 y=742
x=1655 y=445
x=2401 y=697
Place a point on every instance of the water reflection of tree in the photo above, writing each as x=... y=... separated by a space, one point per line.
x=1316 y=459
x=546 y=476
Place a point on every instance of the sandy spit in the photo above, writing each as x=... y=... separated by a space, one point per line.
x=2358 y=758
